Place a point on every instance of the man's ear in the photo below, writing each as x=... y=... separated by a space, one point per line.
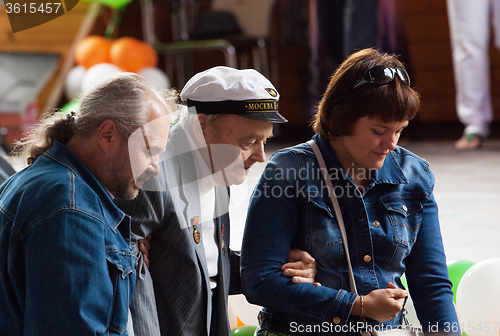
x=202 y=118
x=108 y=136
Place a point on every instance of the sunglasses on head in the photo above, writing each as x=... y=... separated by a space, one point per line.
x=381 y=75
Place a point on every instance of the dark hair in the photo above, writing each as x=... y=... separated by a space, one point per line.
x=341 y=105
x=123 y=98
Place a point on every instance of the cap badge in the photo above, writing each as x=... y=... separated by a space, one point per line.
x=272 y=92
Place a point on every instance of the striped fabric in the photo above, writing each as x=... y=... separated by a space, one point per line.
x=177 y=263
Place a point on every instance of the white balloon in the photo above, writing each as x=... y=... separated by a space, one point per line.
x=73 y=84
x=156 y=77
x=240 y=308
x=478 y=297
x=96 y=74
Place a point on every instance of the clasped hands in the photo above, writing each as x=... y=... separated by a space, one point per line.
x=301 y=266
x=382 y=304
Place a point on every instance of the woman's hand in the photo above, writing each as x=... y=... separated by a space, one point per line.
x=385 y=304
x=301 y=267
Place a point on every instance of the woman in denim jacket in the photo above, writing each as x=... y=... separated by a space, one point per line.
x=386 y=197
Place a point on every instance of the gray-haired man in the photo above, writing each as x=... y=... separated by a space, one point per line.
x=230 y=116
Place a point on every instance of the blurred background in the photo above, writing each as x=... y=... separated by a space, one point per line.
x=297 y=44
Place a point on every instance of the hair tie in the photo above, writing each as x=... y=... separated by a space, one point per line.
x=71 y=120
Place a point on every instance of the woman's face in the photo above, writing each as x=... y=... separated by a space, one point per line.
x=369 y=144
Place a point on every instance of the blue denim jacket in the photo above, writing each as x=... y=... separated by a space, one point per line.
x=65 y=268
x=392 y=228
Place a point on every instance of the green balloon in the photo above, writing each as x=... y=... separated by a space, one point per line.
x=456 y=271
x=243 y=331
x=403 y=280
x=72 y=106
x=116 y=4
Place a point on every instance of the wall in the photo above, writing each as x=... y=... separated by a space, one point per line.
x=57 y=36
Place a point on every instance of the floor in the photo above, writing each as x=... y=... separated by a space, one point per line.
x=468 y=195
x=467 y=191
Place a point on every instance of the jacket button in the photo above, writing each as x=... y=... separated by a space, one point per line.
x=336 y=320
x=367 y=258
x=405 y=208
x=376 y=223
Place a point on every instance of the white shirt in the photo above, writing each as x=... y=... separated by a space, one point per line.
x=208 y=214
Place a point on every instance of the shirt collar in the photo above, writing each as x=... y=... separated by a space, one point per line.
x=326 y=149
x=390 y=172
x=206 y=181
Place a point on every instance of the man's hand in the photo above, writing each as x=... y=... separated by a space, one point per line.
x=301 y=267
x=144 y=247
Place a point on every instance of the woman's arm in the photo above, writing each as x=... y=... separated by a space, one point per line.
x=427 y=275
x=272 y=223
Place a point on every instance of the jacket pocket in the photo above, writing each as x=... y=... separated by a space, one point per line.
x=405 y=216
x=121 y=273
x=322 y=226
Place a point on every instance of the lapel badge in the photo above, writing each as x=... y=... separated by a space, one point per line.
x=196 y=232
x=223 y=242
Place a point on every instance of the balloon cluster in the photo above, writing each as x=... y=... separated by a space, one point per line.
x=476 y=293
x=97 y=58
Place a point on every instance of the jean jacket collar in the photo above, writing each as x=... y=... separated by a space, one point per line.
x=390 y=173
x=62 y=155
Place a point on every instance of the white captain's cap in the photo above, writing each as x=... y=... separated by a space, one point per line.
x=224 y=90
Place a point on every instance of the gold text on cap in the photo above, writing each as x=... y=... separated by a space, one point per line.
x=265 y=105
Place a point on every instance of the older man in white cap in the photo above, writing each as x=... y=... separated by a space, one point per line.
x=218 y=139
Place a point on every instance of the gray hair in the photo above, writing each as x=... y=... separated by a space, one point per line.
x=123 y=98
x=187 y=115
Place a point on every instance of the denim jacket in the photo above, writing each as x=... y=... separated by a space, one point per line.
x=66 y=267
x=392 y=228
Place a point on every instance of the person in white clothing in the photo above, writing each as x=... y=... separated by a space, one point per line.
x=470 y=23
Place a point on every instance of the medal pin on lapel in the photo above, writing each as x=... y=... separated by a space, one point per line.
x=196 y=232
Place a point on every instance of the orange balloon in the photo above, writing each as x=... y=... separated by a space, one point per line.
x=92 y=50
x=128 y=54
x=151 y=55
x=239 y=322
